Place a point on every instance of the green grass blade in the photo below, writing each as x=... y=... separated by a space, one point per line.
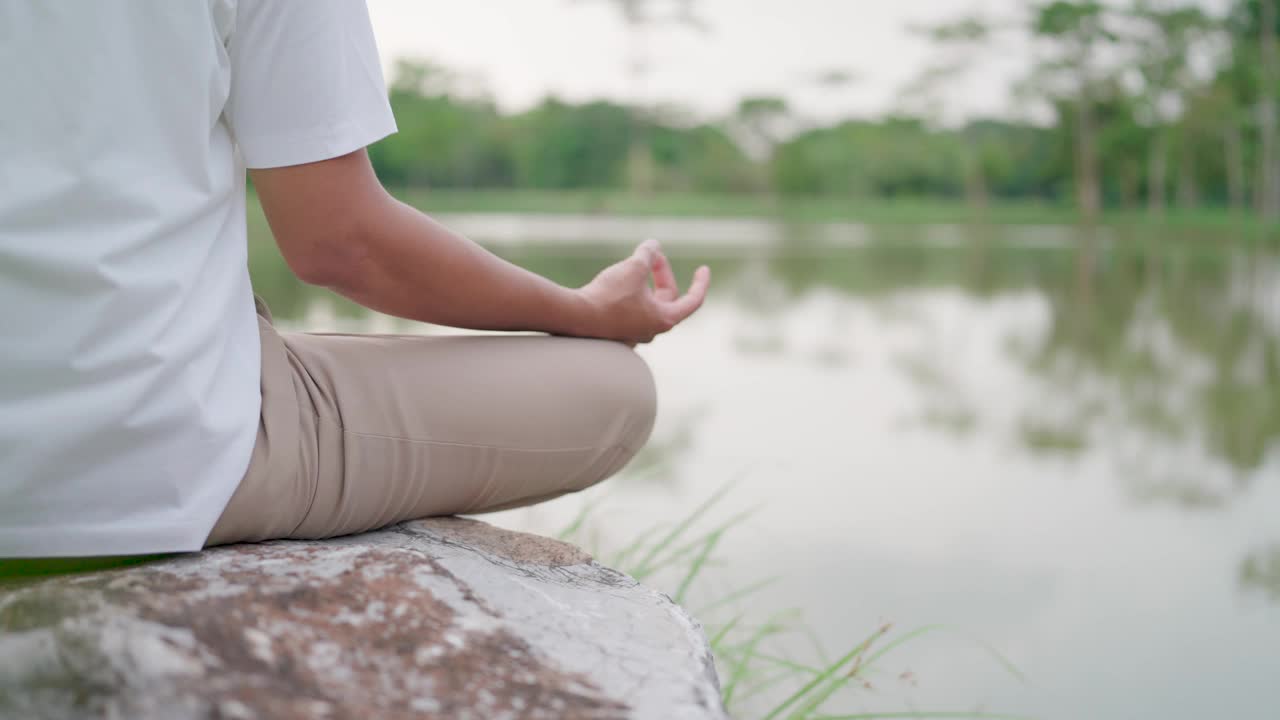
x=722 y=633
x=739 y=669
x=823 y=656
x=820 y=695
x=1000 y=659
x=619 y=559
x=923 y=715
x=738 y=594
x=777 y=624
x=900 y=641
x=789 y=664
x=996 y=655
x=696 y=568
x=830 y=671
x=682 y=526
x=765 y=685
x=691 y=546
x=580 y=519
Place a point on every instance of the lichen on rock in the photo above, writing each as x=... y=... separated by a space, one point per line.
x=441 y=618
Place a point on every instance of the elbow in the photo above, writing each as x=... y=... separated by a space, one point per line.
x=335 y=260
x=319 y=272
x=324 y=218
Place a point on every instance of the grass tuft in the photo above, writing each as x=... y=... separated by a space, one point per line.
x=750 y=667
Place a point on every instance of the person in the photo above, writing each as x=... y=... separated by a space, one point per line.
x=149 y=406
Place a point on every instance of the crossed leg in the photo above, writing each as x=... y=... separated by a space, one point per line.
x=363 y=431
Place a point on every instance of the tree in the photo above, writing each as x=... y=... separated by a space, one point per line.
x=1218 y=115
x=761 y=122
x=1267 y=121
x=560 y=146
x=1238 y=81
x=1165 y=39
x=963 y=41
x=895 y=157
x=758 y=124
x=1122 y=144
x=447 y=137
x=1078 y=34
x=1254 y=75
x=700 y=157
x=640 y=16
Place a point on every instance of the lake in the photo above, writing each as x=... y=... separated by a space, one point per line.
x=1063 y=445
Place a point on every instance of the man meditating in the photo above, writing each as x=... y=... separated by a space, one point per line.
x=146 y=407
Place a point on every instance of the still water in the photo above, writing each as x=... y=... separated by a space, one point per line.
x=1064 y=447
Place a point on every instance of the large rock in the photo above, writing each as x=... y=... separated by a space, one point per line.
x=442 y=618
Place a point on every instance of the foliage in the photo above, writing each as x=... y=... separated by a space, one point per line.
x=1152 y=99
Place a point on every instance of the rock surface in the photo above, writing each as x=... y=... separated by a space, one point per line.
x=443 y=618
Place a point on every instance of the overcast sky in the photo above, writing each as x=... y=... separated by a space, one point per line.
x=523 y=50
x=579 y=49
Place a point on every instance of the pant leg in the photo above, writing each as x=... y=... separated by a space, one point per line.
x=274 y=493
x=399 y=427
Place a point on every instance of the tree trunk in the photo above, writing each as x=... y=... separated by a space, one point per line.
x=975 y=181
x=1087 y=188
x=1233 y=148
x=1259 y=185
x=1084 y=270
x=1188 y=190
x=1130 y=185
x=640 y=170
x=1270 y=163
x=1157 y=169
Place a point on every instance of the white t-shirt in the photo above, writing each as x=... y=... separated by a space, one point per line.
x=129 y=358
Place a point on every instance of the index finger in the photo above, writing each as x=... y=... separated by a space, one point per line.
x=681 y=308
x=664 y=279
x=647 y=252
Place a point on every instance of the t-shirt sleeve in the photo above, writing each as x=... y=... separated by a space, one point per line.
x=306 y=81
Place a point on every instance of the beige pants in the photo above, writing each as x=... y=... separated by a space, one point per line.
x=363 y=431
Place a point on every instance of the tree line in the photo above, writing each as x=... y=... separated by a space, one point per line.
x=1151 y=105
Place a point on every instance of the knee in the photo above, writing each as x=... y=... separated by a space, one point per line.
x=641 y=401
x=631 y=393
x=632 y=402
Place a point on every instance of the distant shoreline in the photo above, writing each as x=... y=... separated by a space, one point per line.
x=910 y=211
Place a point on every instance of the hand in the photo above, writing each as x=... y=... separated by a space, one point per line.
x=624 y=306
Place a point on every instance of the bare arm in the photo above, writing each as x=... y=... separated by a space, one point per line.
x=337 y=227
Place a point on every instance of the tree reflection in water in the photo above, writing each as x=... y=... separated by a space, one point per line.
x=1162 y=352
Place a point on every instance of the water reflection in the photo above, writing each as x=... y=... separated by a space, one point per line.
x=1172 y=354
x=1072 y=449
x=1260 y=571
x=1180 y=358
x=659 y=461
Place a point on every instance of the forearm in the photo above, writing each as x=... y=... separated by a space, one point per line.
x=408 y=265
x=337 y=227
